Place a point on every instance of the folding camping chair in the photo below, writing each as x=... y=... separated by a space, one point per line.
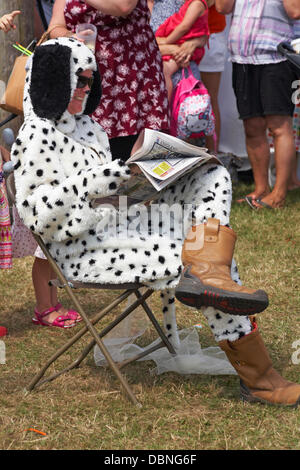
x=127 y=290
x=286 y=49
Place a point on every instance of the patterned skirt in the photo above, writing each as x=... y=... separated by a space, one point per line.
x=5 y=229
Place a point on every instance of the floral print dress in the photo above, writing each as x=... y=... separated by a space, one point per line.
x=133 y=88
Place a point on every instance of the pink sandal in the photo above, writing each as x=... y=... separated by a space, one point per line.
x=71 y=315
x=59 y=321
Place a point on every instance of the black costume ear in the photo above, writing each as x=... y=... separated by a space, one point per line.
x=94 y=95
x=50 y=87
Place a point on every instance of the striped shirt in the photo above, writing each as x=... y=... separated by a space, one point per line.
x=257 y=27
x=296 y=29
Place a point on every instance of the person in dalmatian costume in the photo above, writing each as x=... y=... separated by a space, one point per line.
x=62 y=162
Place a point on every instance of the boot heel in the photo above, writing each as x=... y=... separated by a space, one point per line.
x=245 y=394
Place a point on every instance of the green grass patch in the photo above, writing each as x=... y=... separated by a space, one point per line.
x=86 y=408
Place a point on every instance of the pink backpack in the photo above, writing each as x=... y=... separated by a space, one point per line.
x=191 y=110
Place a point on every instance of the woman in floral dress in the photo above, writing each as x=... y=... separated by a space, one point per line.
x=133 y=88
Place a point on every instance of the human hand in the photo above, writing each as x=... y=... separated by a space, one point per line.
x=5 y=154
x=183 y=56
x=73 y=35
x=7 y=21
x=169 y=49
x=184 y=53
x=135 y=170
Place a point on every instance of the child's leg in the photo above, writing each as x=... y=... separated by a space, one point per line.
x=294 y=182
x=170 y=67
x=55 y=302
x=46 y=296
x=212 y=81
x=40 y=279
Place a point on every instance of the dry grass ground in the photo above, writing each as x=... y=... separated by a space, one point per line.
x=86 y=408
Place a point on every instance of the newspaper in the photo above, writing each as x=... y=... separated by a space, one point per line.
x=162 y=159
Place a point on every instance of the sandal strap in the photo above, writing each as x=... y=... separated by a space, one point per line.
x=61 y=319
x=73 y=315
x=45 y=312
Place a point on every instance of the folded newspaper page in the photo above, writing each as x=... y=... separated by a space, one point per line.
x=162 y=159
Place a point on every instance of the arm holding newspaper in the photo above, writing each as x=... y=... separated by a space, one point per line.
x=160 y=161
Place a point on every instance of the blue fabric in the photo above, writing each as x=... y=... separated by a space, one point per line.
x=47 y=6
x=296 y=29
x=162 y=9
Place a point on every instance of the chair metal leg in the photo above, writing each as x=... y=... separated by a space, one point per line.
x=37 y=382
x=74 y=364
x=89 y=326
x=75 y=338
x=156 y=324
x=102 y=347
x=141 y=355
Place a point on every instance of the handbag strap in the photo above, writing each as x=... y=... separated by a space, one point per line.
x=46 y=34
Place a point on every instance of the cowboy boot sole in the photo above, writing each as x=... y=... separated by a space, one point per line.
x=193 y=293
x=246 y=396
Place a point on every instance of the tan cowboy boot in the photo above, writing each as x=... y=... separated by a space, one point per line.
x=259 y=381
x=206 y=279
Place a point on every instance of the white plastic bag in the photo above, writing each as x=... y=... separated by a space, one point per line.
x=190 y=357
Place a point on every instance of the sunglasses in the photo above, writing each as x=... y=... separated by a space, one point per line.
x=82 y=82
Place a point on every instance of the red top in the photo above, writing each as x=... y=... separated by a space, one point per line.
x=199 y=28
x=3 y=331
x=216 y=21
x=134 y=94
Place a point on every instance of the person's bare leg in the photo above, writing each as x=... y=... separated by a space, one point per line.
x=294 y=182
x=285 y=154
x=54 y=298
x=259 y=154
x=212 y=81
x=170 y=67
x=44 y=294
x=40 y=279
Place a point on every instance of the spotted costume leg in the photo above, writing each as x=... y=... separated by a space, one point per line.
x=210 y=193
x=168 y=307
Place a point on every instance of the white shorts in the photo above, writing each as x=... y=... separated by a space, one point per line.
x=215 y=57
